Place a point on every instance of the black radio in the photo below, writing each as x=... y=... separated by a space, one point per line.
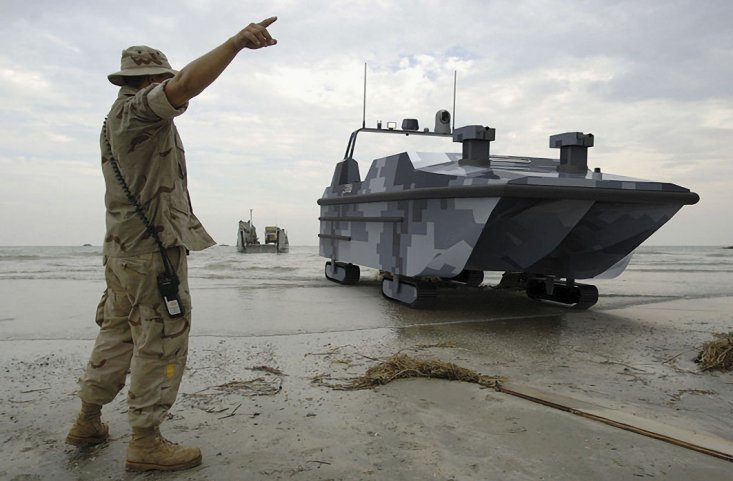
x=168 y=287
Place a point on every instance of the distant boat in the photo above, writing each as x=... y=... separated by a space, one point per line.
x=87 y=245
x=276 y=239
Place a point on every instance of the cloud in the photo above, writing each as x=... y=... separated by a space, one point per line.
x=649 y=79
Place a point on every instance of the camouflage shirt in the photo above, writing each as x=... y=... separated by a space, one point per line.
x=149 y=152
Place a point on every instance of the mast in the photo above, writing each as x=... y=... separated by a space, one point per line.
x=363 y=113
x=453 y=115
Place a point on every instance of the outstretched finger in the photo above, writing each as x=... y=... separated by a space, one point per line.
x=268 y=21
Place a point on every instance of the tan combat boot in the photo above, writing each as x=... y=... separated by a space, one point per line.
x=88 y=428
x=149 y=450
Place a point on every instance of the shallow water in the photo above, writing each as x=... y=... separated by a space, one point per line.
x=654 y=271
x=51 y=292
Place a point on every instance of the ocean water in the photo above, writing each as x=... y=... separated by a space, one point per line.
x=655 y=272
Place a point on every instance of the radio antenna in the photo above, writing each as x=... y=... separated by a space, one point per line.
x=453 y=115
x=363 y=113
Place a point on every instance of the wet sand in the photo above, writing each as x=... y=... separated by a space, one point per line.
x=249 y=399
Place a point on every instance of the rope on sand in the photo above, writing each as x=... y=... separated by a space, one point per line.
x=401 y=366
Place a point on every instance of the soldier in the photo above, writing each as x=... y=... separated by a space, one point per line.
x=137 y=331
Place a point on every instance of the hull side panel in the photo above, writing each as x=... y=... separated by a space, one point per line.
x=428 y=237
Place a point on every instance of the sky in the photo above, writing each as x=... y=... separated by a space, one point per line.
x=652 y=80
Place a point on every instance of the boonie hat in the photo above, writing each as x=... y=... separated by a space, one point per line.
x=141 y=60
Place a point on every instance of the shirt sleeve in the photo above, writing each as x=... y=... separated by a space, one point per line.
x=160 y=105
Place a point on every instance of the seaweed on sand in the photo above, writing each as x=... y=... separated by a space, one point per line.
x=401 y=366
x=718 y=353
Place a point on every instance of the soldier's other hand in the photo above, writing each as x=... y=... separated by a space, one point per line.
x=255 y=35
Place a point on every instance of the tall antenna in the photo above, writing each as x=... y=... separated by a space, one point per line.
x=453 y=115
x=363 y=114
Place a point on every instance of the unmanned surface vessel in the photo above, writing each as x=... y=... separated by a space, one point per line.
x=544 y=222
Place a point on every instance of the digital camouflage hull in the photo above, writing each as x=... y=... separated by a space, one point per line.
x=452 y=216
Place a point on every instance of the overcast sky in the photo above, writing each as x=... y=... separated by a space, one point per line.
x=652 y=80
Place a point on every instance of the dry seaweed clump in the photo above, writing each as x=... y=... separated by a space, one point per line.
x=718 y=353
x=402 y=366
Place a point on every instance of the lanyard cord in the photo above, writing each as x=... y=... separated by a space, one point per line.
x=135 y=203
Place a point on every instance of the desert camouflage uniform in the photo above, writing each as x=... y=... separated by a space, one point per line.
x=136 y=332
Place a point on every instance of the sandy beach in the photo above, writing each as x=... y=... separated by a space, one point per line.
x=259 y=404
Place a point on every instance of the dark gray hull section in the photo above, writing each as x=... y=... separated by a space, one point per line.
x=534 y=236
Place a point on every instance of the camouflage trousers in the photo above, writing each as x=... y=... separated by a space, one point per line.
x=136 y=334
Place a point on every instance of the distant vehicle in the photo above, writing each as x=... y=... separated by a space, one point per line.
x=421 y=217
x=272 y=234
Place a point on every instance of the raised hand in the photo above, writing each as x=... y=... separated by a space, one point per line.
x=255 y=35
